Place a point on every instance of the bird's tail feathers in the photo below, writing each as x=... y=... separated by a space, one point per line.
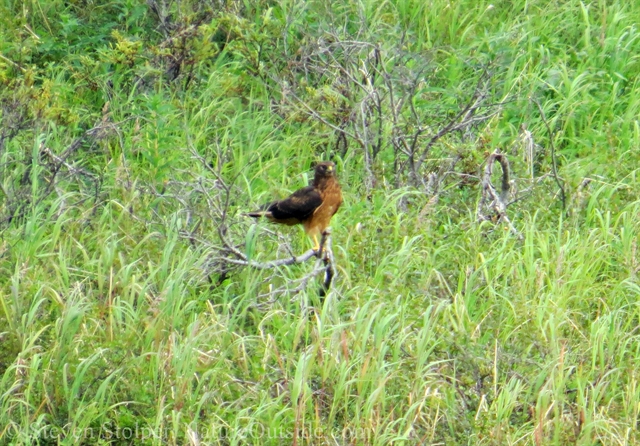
x=258 y=214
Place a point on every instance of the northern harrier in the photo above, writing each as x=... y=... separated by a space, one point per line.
x=312 y=206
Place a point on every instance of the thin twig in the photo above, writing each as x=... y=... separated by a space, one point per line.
x=554 y=161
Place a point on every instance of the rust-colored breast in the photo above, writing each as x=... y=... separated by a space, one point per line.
x=331 y=201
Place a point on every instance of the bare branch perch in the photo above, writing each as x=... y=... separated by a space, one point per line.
x=274 y=263
x=208 y=203
x=325 y=262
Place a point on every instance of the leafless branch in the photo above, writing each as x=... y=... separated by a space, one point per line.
x=207 y=200
x=50 y=168
x=493 y=204
x=369 y=96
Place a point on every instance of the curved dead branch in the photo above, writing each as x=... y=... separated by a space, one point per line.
x=324 y=262
x=210 y=200
x=493 y=204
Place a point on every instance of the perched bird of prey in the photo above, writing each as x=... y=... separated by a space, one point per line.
x=312 y=206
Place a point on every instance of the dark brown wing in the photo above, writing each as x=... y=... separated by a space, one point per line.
x=299 y=206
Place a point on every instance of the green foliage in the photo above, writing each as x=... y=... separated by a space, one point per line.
x=121 y=124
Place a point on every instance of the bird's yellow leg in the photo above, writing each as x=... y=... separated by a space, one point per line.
x=316 y=244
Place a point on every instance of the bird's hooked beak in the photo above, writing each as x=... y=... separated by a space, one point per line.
x=330 y=169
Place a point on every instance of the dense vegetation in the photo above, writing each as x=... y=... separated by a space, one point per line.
x=134 y=134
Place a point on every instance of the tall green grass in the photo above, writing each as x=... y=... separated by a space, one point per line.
x=437 y=329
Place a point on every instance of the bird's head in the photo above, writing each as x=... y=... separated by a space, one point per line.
x=325 y=169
